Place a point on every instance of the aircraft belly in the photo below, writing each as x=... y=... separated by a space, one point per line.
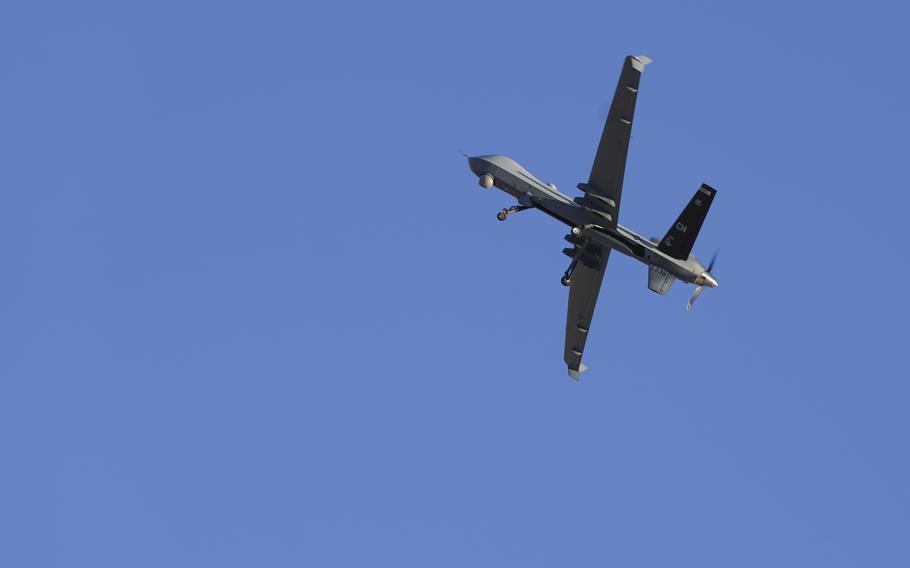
x=614 y=244
x=523 y=189
x=516 y=187
x=533 y=192
x=671 y=267
x=515 y=193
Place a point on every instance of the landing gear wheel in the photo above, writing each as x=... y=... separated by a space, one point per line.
x=576 y=231
x=502 y=215
x=566 y=281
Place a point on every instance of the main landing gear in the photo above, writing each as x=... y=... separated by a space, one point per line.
x=580 y=242
x=509 y=210
x=566 y=279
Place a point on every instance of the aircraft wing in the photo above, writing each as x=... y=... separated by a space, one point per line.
x=583 y=293
x=604 y=187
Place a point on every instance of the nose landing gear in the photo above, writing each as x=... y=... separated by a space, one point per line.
x=509 y=210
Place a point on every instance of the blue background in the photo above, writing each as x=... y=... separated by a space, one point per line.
x=255 y=309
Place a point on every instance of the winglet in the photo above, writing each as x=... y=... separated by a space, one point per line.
x=639 y=62
x=576 y=373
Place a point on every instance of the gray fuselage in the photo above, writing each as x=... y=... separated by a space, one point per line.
x=518 y=182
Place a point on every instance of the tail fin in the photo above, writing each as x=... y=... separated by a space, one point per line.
x=681 y=237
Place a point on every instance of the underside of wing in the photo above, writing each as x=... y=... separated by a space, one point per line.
x=604 y=187
x=583 y=292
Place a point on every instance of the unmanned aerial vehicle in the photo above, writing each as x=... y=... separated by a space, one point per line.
x=592 y=219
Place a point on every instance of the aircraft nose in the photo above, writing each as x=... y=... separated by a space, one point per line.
x=477 y=166
x=710 y=280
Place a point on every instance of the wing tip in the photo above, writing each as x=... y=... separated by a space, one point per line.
x=639 y=62
x=576 y=373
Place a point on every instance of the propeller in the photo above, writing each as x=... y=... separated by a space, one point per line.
x=705 y=277
x=713 y=258
x=693 y=298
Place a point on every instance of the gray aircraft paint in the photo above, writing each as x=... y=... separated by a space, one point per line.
x=593 y=218
x=512 y=178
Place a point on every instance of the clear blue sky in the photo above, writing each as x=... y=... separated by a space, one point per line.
x=255 y=310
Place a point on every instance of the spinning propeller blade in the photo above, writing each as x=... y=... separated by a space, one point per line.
x=713 y=258
x=693 y=298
